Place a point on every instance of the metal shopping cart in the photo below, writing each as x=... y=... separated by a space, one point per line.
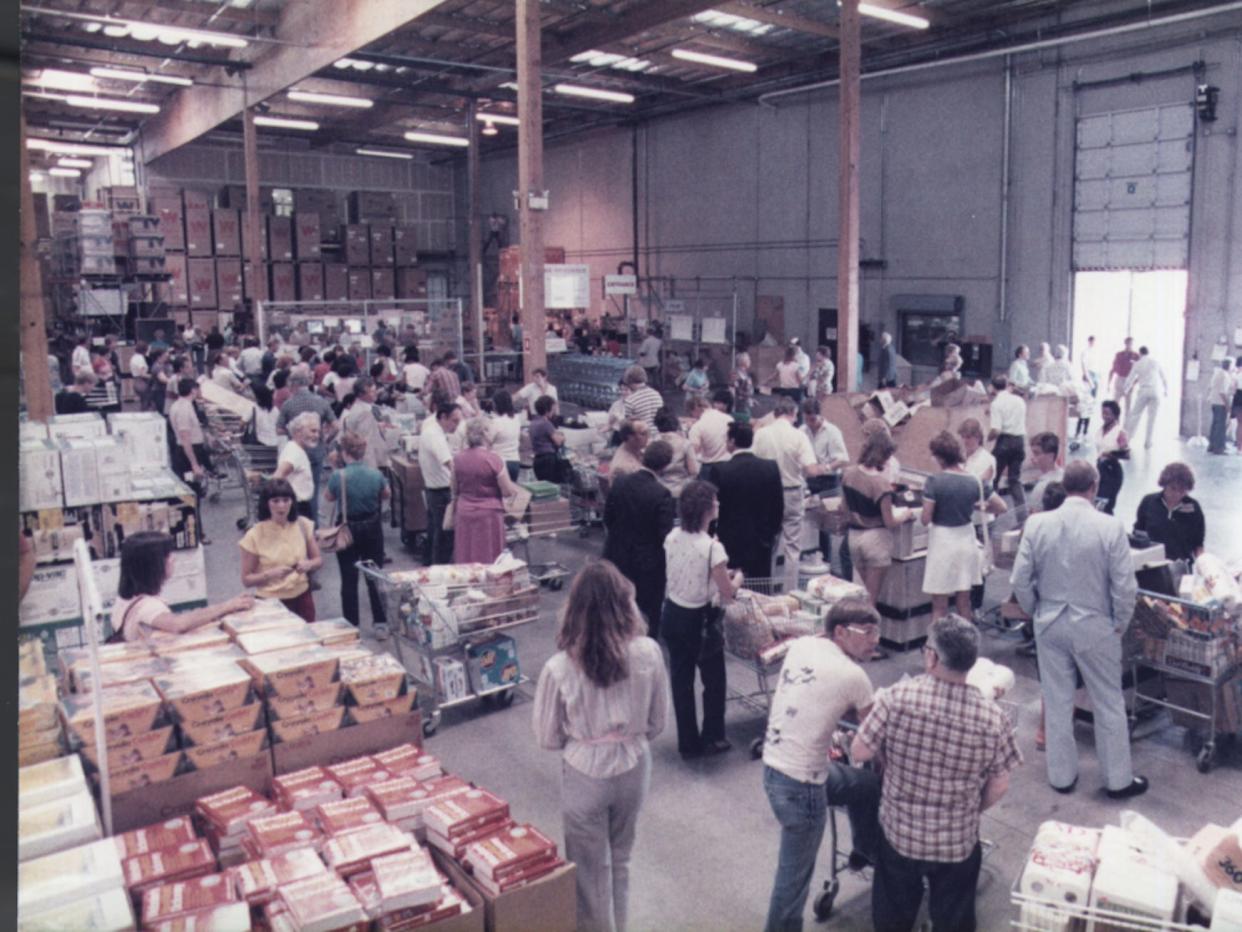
x=442 y=622
x=251 y=462
x=586 y=497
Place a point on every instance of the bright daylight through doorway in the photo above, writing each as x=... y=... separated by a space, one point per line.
x=1148 y=306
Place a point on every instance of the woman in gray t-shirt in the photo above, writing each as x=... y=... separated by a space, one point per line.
x=954 y=559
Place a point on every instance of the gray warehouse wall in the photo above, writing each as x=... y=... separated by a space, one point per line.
x=747 y=194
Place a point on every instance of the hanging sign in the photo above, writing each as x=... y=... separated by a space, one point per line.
x=620 y=284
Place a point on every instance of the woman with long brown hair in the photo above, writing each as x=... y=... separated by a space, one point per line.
x=601 y=698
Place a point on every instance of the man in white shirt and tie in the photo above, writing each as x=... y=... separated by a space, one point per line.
x=1074 y=575
x=1152 y=386
x=793 y=453
x=1008 y=413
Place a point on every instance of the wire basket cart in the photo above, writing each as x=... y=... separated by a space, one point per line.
x=585 y=495
x=1042 y=915
x=545 y=519
x=1001 y=556
x=447 y=627
x=223 y=435
x=1196 y=649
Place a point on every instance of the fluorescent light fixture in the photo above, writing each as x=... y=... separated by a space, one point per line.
x=437 y=139
x=893 y=16
x=501 y=118
x=594 y=93
x=715 y=61
x=331 y=100
x=729 y=21
x=64 y=172
x=110 y=103
x=71 y=148
x=63 y=80
x=285 y=123
x=510 y=86
x=36 y=176
x=168 y=35
x=385 y=153
x=123 y=74
x=489 y=130
x=75 y=163
x=597 y=59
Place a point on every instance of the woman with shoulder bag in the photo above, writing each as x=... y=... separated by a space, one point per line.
x=696 y=564
x=954 y=554
x=280 y=552
x=146 y=564
x=362 y=491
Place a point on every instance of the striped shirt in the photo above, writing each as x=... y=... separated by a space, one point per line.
x=642 y=405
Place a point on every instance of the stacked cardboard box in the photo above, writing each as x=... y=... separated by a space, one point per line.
x=39 y=734
x=78 y=888
x=55 y=808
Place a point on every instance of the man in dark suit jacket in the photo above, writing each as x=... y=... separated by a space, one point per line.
x=638 y=515
x=751 y=504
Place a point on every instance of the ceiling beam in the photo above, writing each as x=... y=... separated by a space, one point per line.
x=469 y=24
x=651 y=15
x=778 y=17
x=315 y=32
x=200 y=11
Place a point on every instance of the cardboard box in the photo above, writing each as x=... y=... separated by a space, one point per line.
x=404 y=245
x=207 y=694
x=315 y=700
x=411 y=284
x=144 y=435
x=383 y=286
x=199 y=237
x=310 y=281
x=141 y=748
x=52 y=597
x=381 y=245
x=245 y=239
x=226 y=233
x=510 y=912
x=406 y=702
x=306 y=236
x=201 y=276
x=902 y=587
x=359 y=284
x=335 y=281
x=176 y=797
x=357 y=239
x=368 y=206
x=172 y=220
x=196 y=199
x=175 y=292
x=327 y=721
x=145 y=774
x=239 y=747
x=280 y=239
x=348 y=742
x=228 y=283
x=283 y=283
x=39 y=484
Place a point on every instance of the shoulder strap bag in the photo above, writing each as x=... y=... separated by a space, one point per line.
x=338 y=537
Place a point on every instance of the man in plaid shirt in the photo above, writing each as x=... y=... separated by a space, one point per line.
x=946 y=752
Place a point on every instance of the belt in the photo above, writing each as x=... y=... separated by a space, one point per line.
x=442 y=488
x=791 y=488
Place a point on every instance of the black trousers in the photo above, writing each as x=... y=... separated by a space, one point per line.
x=897 y=891
x=439 y=546
x=548 y=468
x=368 y=545
x=1010 y=451
x=689 y=647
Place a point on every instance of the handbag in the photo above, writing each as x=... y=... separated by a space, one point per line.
x=338 y=537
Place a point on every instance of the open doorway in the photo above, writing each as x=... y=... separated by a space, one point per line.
x=1148 y=306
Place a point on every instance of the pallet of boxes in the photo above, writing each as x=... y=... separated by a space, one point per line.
x=383 y=841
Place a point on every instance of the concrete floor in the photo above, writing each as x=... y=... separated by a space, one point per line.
x=707 y=843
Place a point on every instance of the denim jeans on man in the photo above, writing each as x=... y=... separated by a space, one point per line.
x=802 y=810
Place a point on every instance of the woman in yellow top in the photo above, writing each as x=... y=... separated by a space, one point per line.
x=280 y=551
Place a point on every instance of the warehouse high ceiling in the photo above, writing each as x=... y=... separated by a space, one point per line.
x=425 y=62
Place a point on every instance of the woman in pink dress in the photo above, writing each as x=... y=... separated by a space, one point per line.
x=480 y=484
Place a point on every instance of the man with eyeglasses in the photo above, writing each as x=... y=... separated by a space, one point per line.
x=947 y=753
x=820 y=682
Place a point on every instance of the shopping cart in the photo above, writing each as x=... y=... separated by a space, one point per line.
x=222 y=435
x=252 y=462
x=441 y=623
x=586 y=498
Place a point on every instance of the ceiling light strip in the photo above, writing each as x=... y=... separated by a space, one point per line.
x=893 y=16
x=593 y=93
x=331 y=100
x=715 y=61
x=438 y=139
x=285 y=123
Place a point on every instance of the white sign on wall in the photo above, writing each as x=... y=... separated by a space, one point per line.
x=566 y=287
x=620 y=284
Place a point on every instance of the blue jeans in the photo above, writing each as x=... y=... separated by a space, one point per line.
x=1220 y=424
x=802 y=811
x=316 y=458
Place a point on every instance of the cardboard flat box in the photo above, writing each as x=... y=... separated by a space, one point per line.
x=228 y=283
x=357 y=240
x=348 y=742
x=335 y=281
x=39 y=484
x=206 y=694
x=381 y=245
x=294 y=672
x=411 y=284
x=315 y=700
x=280 y=239
x=199 y=237
x=176 y=797
x=177 y=291
x=129 y=710
x=310 y=281
x=383 y=284
x=201 y=277
x=144 y=435
x=52 y=597
x=307 y=236
x=359 y=284
x=283 y=282
x=371 y=712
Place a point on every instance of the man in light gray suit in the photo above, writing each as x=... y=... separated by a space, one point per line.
x=1075 y=577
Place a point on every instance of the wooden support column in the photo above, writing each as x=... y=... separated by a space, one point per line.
x=847 y=185
x=35 y=375
x=475 y=232
x=254 y=218
x=530 y=181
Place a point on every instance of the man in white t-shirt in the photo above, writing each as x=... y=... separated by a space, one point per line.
x=820 y=683
x=435 y=461
x=534 y=390
x=793 y=453
x=294 y=463
x=1008 y=414
x=709 y=435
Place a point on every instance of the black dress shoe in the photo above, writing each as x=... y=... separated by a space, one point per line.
x=858 y=861
x=717 y=747
x=1066 y=789
x=1137 y=787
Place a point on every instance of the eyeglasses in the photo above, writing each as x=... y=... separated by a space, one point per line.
x=867 y=631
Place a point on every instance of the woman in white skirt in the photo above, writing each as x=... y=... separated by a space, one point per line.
x=954 y=557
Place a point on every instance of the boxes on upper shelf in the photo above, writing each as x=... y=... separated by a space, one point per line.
x=357 y=239
x=245 y=239
x=383 y=286
x=228 y=283
x=310 y=281
x=280 y=239
x=198 y=232
x=176 y=291
x=404 y=243
x=359 y=284
x=381 y=245
x=307 y=236
x=201 y=276
x=283 y=282
x=368 y=206
x=335 y=281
